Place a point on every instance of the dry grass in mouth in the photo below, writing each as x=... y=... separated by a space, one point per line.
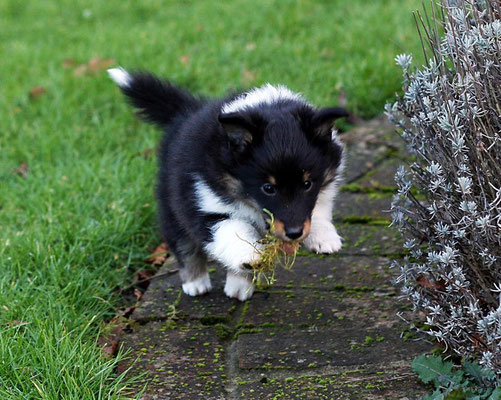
x=274 y=252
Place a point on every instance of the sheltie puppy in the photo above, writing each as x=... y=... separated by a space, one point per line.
x=223 y=161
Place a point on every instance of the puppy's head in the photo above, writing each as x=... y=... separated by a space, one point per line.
x=284 y=154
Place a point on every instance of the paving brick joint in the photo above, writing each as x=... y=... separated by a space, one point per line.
x=328 y=329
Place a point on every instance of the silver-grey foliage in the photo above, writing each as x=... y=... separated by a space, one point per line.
x=448 y=203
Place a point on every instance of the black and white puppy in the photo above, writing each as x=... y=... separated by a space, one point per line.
x=222 y=162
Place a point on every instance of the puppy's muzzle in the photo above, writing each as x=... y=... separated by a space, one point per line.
x=288 y=233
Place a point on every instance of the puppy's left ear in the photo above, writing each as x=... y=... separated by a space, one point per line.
x=240 y=129
x=322 y=121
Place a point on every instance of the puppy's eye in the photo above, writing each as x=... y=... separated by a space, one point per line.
x=307 y=185
x=268 y=189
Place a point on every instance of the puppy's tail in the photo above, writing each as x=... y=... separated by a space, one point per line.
x=157 y=101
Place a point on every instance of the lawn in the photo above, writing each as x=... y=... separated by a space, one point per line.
x=78 y=217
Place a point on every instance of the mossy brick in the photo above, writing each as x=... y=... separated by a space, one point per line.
x=360 y=162
x=340 y=310
x=337 y=272
x=371 y=205
x=179 y=364
x=377 y=131
x=368 y=144
x=363 y=239
x=383 y=176
x=165 y=293
x=316 y=347
x=395 y=382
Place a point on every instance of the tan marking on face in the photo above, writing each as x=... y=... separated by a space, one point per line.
x=306 y=176
x=306 y=229
x=272 y=180
x=279 y=229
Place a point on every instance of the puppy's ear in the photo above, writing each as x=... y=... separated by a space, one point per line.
x=322 y=121
x=240 y=129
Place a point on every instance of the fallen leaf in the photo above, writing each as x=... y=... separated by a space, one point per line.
x=81 y=70
x=327 y=53
x=5 y=308
x=110 y=340
x=148 y=153
x=128 y=311
x=341 y=99
x=248 y=77
x=110 y=349
x=159 y=255
x=185 y=59
x=138 y=294
x=69 y=63
x=93 y=66
x=427 y=284
x=37 y=92
x=478 y=341
x=97 y=64
x=143 y=278
x=17 y=322
x=22 y=170
x=250 y=46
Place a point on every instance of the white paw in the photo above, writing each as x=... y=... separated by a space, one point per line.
x=198 y=286
x=238 y=287
x=323 y=237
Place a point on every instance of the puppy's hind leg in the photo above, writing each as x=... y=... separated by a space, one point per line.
x=193 y=272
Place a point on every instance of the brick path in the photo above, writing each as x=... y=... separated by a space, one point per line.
x=328 y=329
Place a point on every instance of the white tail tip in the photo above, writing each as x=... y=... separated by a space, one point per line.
x=120 y=76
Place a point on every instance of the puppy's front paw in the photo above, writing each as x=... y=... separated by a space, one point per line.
x=323 y=238
x=198 y=286
x=238 y=286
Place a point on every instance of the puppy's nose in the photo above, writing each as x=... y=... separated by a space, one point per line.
x=294 y=232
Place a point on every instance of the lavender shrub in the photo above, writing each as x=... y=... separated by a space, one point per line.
x=448 y=204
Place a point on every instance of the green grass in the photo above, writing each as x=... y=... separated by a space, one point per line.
x=83 y=218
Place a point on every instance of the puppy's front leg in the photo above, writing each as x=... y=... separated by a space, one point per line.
x=323 y=237
x=234 y=244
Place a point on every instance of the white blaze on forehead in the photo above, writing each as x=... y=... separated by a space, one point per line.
x=266 y=94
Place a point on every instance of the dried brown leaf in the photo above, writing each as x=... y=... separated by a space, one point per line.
x=22 y=170
x=111 y=349
x=159 y=255
x=93 y=66
x=248 y=77
x=128 y=311
x=16 y=322
x=428 y=284
x=97 y=64
x=37 y=92
x=138 y=294
x=69 y=63
x=341 y=99
x=80 y=70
